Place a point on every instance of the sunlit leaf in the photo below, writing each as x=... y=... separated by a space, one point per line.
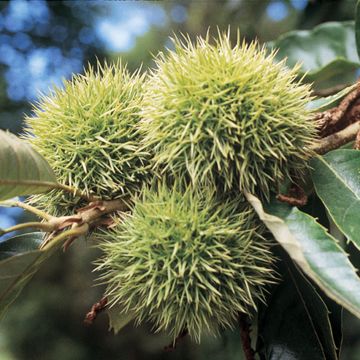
x=331 y=101
x=324 y=52
x=314 y=250
x=336 y=178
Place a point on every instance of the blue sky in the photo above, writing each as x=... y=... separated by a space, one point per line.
x=32 y=70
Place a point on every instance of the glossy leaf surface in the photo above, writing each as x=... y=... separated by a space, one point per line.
x=325 y=51
x=315 y=251
x=331 y=101
x=336 y=178
x=295 y=323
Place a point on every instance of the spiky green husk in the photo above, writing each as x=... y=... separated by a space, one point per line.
x=87 y=132
x=231 y=114
x=185 y=260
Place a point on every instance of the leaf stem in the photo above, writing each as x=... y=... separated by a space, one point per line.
x=37 y=225
x=50 y=186
x=245 y=338
x=76 y=192
x=29 y=208
x=73 y=232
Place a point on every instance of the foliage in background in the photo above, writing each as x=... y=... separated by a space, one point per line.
x=63 y=336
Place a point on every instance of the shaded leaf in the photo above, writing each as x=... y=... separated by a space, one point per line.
x=23 y=171
x=336 y=320
x=227 y=346
x=331 y=101
x=295 y=301
x=118 y=319
x=314 y=250
x=17 y=270
x=20 y=244
x=336 y=177
x=324 y=52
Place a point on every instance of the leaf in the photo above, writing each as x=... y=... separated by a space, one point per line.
x=314 y=250
x=295 y=301
x=226 y=346
x=331 y=101
x=20 y=259
x=117 y=318
x=357 y=27
x=324 y=52
x=23 y=171
x=336 y=320
x=336 y=177
x=20 y=244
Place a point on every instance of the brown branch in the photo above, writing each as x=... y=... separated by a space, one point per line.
x=245 y=338
x=171 y=347
x=89 y=215
x=339 y=117
x=95 y=310
x=357 y=141
x=296 y=196
x=336 y=140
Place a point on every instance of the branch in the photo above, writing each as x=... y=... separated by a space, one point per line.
x=245 y=338
x=74 y=232
x=171 y=347
x=295 y=197
x=36 y=225
x=75 y=192
x=95 y=310
x=51 y=186
x=29 y=208
x=88 y=216
x=339 y=117
x=336 y=140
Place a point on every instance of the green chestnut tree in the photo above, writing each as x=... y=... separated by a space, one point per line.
x=220 y=186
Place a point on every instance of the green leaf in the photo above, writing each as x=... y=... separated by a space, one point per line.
x=314 y=250
x=336 y=320
x=226 y=346
x=295 y=323
x=20 y=244
x=357 y=27
x=23 y=171
x=331 y=101
x=324 y=52
x=20 y=259
x=117 y=318
x=336 y=177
